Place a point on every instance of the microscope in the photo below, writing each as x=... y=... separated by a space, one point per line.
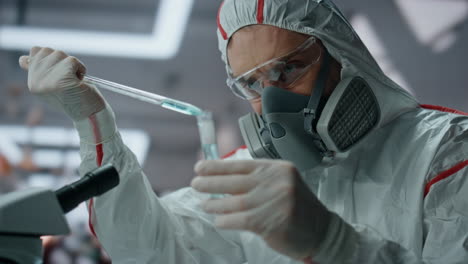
x=27 y=215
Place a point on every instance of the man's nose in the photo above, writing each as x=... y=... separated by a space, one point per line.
x=268 y=83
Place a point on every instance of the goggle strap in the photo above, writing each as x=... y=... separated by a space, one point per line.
x=311 y=111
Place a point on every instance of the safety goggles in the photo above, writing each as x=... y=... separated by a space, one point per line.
x=281 y=72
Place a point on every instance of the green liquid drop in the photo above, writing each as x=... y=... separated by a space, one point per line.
x=182 y=108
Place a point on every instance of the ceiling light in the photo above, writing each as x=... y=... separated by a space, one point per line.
x=164 y=42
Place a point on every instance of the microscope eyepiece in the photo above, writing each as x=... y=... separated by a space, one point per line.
x=94 y=183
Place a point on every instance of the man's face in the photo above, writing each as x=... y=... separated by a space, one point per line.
x=256 y=44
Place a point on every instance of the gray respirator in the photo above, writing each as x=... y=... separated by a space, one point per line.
x=304 y=129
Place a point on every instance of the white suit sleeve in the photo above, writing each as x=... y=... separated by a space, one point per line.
x=445 y=233
x=445 y=230
x=132 y=223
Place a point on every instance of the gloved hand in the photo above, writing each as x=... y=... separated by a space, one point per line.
x=56 y=77
x=269 y=198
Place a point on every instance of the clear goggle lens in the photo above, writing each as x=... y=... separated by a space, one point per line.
x=281 y=72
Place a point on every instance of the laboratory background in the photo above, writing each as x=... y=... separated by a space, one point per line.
x=169 y=47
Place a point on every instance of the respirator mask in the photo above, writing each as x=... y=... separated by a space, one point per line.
x=303 y=129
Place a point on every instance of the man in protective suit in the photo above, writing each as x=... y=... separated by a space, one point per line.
x=348 y=168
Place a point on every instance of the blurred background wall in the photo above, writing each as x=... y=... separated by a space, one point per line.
x=421 y=44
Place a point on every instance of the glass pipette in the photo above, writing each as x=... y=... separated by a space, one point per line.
x=168 y=103
x=204 y=118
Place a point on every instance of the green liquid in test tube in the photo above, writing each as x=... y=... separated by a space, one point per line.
x=207 y=132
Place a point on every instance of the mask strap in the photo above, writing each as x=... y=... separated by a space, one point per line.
x=310 y=113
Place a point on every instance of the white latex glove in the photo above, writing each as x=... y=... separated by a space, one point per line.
x=53 y=75
x=269 y=198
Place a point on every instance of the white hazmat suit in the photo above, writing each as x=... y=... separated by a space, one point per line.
x=403 y=188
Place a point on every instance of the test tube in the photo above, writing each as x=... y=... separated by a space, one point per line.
x=207 y=132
